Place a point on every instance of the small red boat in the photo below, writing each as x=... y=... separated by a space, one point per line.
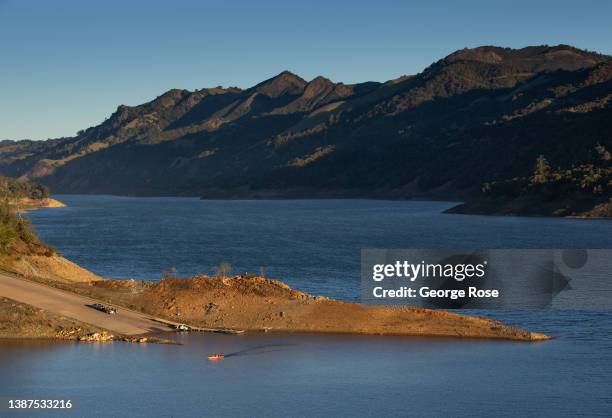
x=216 y=357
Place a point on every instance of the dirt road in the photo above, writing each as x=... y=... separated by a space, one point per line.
x=74 y=306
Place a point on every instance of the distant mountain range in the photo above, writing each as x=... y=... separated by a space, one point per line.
x=479 y=115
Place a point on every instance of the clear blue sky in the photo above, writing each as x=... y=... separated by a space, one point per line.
x=66 y=65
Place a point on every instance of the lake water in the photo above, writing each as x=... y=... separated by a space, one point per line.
x=314 y=246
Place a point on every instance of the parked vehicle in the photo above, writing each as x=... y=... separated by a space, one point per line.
x=103 y=308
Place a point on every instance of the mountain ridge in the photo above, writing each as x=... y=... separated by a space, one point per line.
x=413 y=136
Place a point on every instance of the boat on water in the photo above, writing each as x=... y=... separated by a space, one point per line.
x=216 y=357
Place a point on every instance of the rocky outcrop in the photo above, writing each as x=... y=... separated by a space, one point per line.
x=105 y=337
x=98 y=337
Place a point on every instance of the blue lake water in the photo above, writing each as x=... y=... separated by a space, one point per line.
x=314 y=246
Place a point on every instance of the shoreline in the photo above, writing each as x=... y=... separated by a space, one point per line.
x=256 y=304
x=461 y=206
x=274 y=308
x=531 y=207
